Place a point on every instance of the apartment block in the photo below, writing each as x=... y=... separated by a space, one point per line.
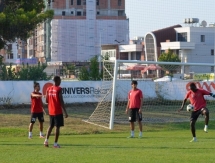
x=79 y=29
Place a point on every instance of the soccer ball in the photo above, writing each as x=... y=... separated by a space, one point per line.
x=190 y=108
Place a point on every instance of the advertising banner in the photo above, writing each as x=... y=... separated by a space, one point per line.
x=18 y=92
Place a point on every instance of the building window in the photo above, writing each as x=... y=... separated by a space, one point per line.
x=119 y=2
x=10 y=56
x=71 y=2
x=78 y=13
x=84 y=13
x=97 y=2
x=212 y=51
x=138 y=55
x=202 y=38
x=120 y=12
x=78 y=2
x=182 y=37
x=98 y=13
x=212 y=68
x=84 y=2
x=150 y=46
x=72 y=12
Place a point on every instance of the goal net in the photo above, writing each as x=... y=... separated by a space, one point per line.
x=164 y=85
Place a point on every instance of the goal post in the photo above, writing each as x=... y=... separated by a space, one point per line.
x=164 y=85
x=113 y=95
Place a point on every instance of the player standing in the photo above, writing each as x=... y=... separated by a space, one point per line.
x=196 y=97
x=56 y=107
x=134 y=108
x=36 y=110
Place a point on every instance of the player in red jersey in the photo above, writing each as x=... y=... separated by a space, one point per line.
x=56 y=107
x=196 y=97
x=36 y=110
x=134 y=108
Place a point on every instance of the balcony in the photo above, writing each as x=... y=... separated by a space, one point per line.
x=177 y=45
x=130 y=48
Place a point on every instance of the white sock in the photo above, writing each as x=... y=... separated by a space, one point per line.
x=132 y=133
x=41 y=133
x=206 y=126
x=140 y=134
x=55 y=144
x=30 y=134
x=46 y=140
x=194 y=138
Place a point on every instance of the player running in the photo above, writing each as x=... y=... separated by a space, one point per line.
x=37 y=110
x=56 y=107
x=196 y=97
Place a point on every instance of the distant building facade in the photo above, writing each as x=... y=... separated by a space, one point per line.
x=79 y=29
x=153 y=41
x=194 y=45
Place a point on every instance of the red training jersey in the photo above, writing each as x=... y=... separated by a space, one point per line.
x=36 y=103
x=197 y=98
x=53 y=100
x=135 y=97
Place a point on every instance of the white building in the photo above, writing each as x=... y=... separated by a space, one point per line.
x=194 y=44
x=80 y=28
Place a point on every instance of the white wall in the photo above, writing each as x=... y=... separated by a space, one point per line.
x=13 y=92
x=79 y=40
x=202 y=51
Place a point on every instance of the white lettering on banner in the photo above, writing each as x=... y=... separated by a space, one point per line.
x=83 y=90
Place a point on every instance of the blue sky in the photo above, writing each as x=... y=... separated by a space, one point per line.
x=148 y=15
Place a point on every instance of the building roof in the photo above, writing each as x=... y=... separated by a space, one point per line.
x=164 y=34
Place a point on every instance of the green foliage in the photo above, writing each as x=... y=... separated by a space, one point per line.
x=26 y=72
x=69 y=69
x=93 y=73
x=6 y=72
x=83 y=74
x=94 y=69
x=169 y=57
x=20 y=17
x=32 y=73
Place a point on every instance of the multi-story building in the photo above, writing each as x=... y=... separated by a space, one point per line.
x=194 y=44
x=79 y=29
x=14 y=52
x=153 y=41
x=132 y=51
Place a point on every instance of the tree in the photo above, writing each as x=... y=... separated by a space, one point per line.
x=6 y=72
x=93 y=73
x=25 y=72
x=83 y=74
x=94 y=69
x=32 y=72
x=169 y=56
x=18 y=18
x=69 y=69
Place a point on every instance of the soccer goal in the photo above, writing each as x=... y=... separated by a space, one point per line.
x=164 y=85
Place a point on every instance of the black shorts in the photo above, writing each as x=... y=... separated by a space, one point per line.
x=133 y=114
x=195 y=114
x=56 y=120
x=34 y=116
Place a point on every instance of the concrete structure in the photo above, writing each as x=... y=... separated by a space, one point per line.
x=153 y=39
x=132 y=51
x=194 y=44
x=79 y=29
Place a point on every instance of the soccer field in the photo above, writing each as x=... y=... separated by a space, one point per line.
x=85 y=143
x=154 y=147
